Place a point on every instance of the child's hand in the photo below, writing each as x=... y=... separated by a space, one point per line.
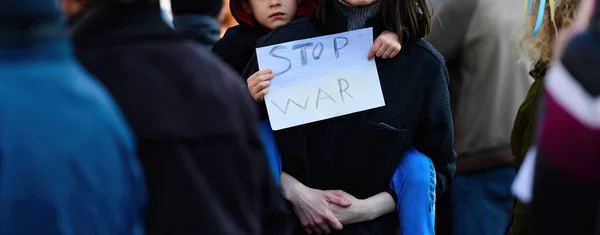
x=387 y=45
x=258 y=84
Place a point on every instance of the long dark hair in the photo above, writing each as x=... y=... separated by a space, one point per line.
x=396 y=15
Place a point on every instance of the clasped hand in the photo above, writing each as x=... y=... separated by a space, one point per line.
x=322 y=211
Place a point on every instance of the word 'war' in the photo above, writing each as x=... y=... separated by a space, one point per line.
x=343 y=86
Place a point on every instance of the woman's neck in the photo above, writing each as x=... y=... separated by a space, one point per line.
x=357 y=15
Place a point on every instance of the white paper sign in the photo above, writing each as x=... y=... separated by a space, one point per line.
x=320 y=78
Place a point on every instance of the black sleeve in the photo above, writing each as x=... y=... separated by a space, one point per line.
x=435 y=134
x=230 y=50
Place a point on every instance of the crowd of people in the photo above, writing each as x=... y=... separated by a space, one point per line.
x=121 y=117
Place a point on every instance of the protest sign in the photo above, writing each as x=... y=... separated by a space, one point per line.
x=320 y=78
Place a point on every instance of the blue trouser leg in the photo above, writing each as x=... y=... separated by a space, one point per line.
x=482 y=202
x=414 y=183
x=273 y=157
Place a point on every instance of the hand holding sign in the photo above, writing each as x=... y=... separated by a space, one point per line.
x=320 y=78
x=258 y=84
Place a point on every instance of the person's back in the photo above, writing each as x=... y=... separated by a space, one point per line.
x=481 y=38
x=197 y=131
x=67 y=157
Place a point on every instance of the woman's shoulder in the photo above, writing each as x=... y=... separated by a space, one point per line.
x=427 y=52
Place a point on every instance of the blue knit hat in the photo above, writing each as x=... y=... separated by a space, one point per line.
x=22 y=11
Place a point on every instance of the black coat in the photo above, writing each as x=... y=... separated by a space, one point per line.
x=197 y=131
x=359 y=152
x=237 y=46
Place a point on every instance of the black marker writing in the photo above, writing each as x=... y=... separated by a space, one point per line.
x=316 y=57
x=321 y=91
x=288 y=104
x=272 y=53
x=337 y=48
x=343 y=84
x=303 y=47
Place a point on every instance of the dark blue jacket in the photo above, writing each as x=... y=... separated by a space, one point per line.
x=68 y=163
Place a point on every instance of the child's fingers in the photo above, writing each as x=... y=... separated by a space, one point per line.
x=264 y=71
x=387 y=53
x=265 y=77
x=260 y=73
x=254 y=82
x=395 y=53
x=374 y=49
x=263 y=92
x=260 y=86
x=380 y=52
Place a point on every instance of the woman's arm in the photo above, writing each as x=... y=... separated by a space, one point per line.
x=379 y=205
x=363 y=210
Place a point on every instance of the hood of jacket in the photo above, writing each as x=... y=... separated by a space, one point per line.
x=305 y=8
x=13 y=13
x=30 y=21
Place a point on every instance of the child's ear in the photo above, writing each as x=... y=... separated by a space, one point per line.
x=246 y=7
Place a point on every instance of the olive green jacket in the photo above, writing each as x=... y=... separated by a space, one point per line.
x=523 y=136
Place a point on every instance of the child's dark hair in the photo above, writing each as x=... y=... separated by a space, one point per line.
x=397 y=15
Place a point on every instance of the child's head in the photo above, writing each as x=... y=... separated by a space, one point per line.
x=270 y=13
x=539 y=47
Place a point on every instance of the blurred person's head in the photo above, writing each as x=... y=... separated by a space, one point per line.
x=70 y=8
x=540 y=46
x=197 y=7
x=20 y=12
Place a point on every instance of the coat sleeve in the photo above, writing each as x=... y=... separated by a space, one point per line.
x=435 y=133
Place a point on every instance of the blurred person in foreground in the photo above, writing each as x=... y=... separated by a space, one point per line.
x=566 y=188
x=197 y=131
x=198 y=20
x=67 y=158
x=537 y=44
x=479 y=42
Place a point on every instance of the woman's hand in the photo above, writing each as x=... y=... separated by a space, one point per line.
x=258 y=84
x=387 y=45
x=363 y=210
x=311 y=206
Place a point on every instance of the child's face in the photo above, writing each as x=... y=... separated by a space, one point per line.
x=272 y=13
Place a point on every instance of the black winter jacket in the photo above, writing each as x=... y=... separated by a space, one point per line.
x=196 y=128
